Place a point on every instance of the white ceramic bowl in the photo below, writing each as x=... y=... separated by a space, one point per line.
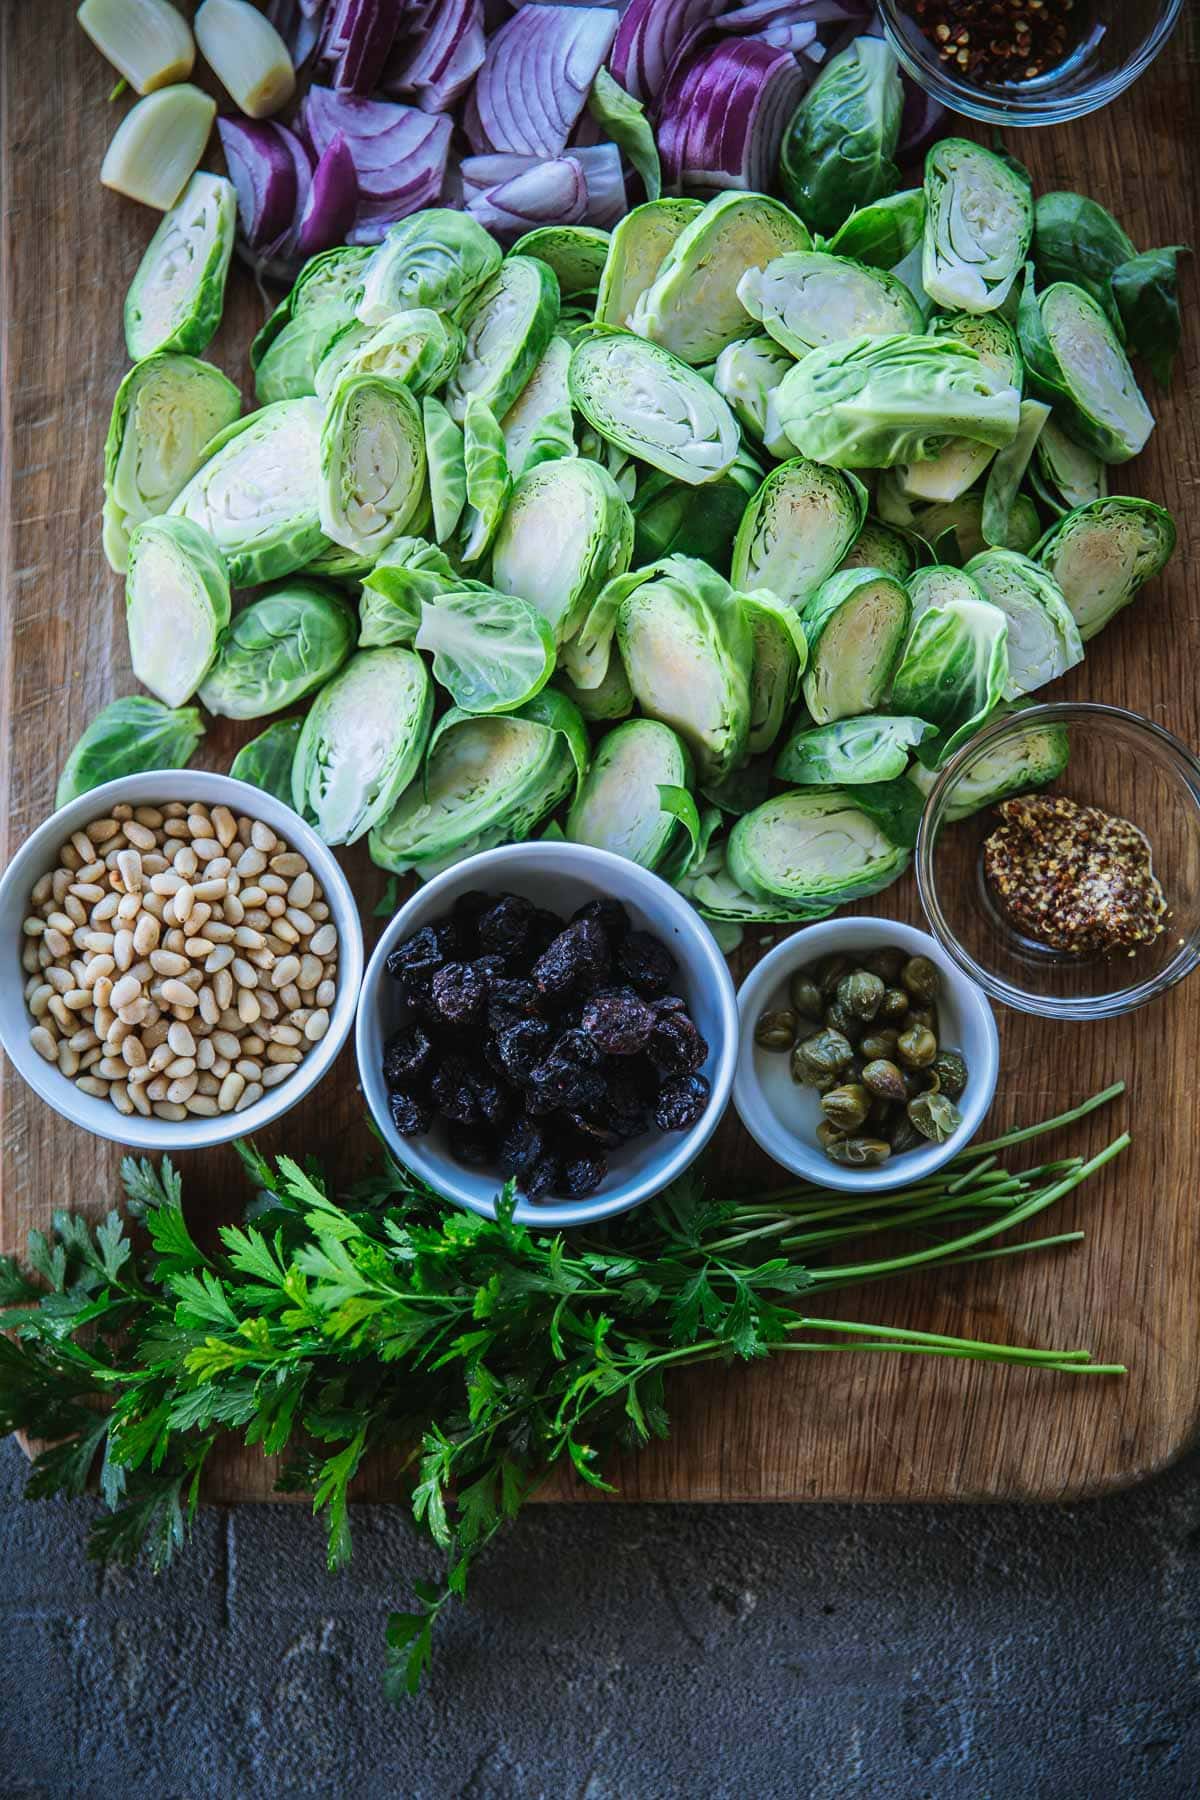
x=40 y=853
x=783 y=1117
x=561 y=877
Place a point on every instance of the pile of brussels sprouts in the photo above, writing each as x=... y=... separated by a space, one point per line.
x=706 y=540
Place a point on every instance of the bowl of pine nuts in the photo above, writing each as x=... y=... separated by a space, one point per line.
x=181 y=960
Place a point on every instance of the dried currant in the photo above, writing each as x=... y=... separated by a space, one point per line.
x=561 y=1082
x=410 y=1115
x=579 y=1048
x=510 y=998
x=458 y=992
x=681 y=1103
x=579 y=953
x=522 y=1146
x=617 y=1021
x=522 y=1047
x=425 y=951
x=475 y=1148
x=645 y=962
x=675 y=1046
x=504 y=928
x=583 y=1175
x=453 y=1091
x=406 y=1055
x=608 y=913
x=541 y=1178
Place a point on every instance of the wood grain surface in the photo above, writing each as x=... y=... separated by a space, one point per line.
x=826 y=1428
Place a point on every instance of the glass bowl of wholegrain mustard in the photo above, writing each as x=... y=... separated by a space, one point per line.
x=1027 y=62
x=1058 y=860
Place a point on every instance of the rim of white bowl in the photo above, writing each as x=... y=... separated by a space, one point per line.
x=100 y=1117
x=764 y=1125
x=704 y=959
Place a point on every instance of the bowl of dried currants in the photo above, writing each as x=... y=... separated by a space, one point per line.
x=550 y=1015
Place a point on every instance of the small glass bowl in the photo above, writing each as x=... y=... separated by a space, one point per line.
x=1115 y=760
x=1122 y=40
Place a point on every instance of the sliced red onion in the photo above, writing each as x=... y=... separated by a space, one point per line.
x=607 y=200
x=537 y=73
x=480 y=173
x=434 y=63
x=723 y=118
x=755 y=14
x=649 y=38
x=550 y=192
x=332 y=206
x=788 y=37
x=472 y=127
x=399 y=154
x=263 y=167
x=299 y=24
x=357 y=40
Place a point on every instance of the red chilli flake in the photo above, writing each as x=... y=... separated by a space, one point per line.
x=992 y=41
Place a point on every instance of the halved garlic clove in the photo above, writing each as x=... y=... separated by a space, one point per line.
x=247 y=55
x=158 y=145
x=148 y=41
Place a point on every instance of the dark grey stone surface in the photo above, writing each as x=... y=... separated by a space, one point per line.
x=619 y=1653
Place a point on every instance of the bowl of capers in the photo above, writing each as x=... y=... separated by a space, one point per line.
x=867 y=1059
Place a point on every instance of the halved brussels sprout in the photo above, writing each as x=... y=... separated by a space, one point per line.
x=1043 y=639
x=940 y=585
x=257 y=493
x=1075 y=364
x=489 y=485
x=1102 y=553
x=883 y=232
x=539 y=426
x=489 y=779
x=176 y=606
x=813 y=848
x=445 y=461
x=838 y=148
x=290 y=366
x=438 y=258
x=688 y=650
x=507 y=329
x=692 y=306
x=856 y=624
x=954 y=672
x=674 y=520
x=419 y=348
x=176 y=298
x=1006 y=475
x=576 y=253
x=566 y=532
x=992 y=338
x=637 y=249
x=1034 y=759
x=266 y=761
x=331 y=278
x=279 y=648
x=1144 y=289
x=408 y=573
x=871 y=402
x=780 y=659
x=945 y=477
x=372 y=463
x=849 y=752
x=808 y=299
x=362 y=743
x=129 y=737
x=961 y=461
x=1075 y=239
x=1070 y=476
x=956 y=529
x=746 y=375
x=880 y=546
x=653 y=406
x=611 y=698
x=334 y=563
x=620 y=806
x=978 y=223
x=491 y=651
x=165 y=415
x=797 y=529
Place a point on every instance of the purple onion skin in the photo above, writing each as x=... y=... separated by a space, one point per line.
x=264 y=174
x=332 y=204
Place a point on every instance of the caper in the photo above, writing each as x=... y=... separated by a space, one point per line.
x=951 y=1071
x=829 y=971
x=828 y=1133
x=846 y=1106
x=880 y=1042
x=882 y=1077
x=860 y=993
x=887 y=964
x=917 y=1047
x=880 y=1115
x=816 y=1058
x=903 y=1134
x=921 y=978
x=858 y=1152
x=934 y=1116
x=916 y=1081
x=805 y=995
x=776 y=1030
x=840 y=1018
x=922 y=1015
x=894 y=1004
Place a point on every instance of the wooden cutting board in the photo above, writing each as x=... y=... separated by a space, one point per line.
x=822 y=1428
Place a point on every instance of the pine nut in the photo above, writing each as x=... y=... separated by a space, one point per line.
x=90 y=1085
x=252 y=1093
x=247 y=1007
x=324 y=940
x=231 y=1092
x=44 y=1043
x=176 y=994
x=129 y=867
x=167 y=1109
x=285 y=970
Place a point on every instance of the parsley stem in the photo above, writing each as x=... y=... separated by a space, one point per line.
x=1026 y=1132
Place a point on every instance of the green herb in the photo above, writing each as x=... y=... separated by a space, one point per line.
x=477 y=1355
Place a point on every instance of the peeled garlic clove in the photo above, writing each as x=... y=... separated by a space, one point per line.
x=156 y=147
x=247 y=55
x=148 y=41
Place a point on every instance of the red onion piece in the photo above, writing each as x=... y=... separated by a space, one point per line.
x=399 y=154
x=607 y=200
x=649 y=38
x=263 y=169
x=433 y=64
x=536 y=76
x=332 y=203
x=357 y=40
x=550 y=192
x=299 y=24
x=757 y=14
x=724 y=115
